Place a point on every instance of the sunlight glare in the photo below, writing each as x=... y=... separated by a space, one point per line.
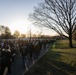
x=20 y=25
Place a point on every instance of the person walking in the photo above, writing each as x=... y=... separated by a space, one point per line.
x=6 y=59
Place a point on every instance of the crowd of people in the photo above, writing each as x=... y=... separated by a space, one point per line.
x=10 y=49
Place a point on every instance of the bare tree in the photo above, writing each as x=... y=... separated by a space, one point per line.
x=16 y=34
x=22 y=36
x=7 y=33
x=2 y=28
x=74 y=35
x=58 y=15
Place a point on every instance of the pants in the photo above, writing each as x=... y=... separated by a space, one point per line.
x=3 y=66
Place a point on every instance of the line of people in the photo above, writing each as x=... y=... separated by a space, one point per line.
x=10 y=49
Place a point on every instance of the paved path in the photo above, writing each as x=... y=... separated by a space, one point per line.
x=17 y=68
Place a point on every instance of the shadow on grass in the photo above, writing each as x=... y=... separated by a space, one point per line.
x=49 y=64
x=59 y=68
x=68 y=53
x=52 y=54
x=60 y=46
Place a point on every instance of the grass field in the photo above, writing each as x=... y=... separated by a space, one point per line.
x=59 y=60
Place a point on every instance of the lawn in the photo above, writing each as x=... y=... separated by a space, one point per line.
x=59 y=60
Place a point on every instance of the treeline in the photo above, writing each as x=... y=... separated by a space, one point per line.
x=5 y=33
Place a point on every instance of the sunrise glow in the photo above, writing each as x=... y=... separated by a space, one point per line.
x=21 y=25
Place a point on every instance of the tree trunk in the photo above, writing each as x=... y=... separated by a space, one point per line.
x=70 y=41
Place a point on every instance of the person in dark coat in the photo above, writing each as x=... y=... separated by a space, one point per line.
x=24 y=52
x=31 y=49
x=6 y=59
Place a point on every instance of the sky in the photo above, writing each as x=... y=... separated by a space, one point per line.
x=14 y=14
